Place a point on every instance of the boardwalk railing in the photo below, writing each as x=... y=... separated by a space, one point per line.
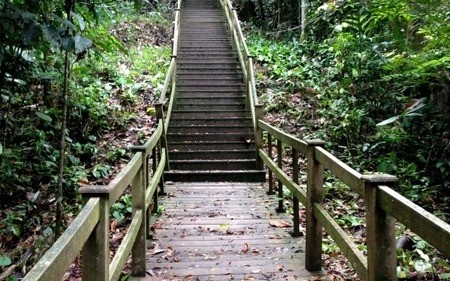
x=164 y=107
x=246 y=61
x=382 y=205
x=89 y=232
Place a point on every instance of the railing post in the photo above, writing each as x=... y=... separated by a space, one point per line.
x=160 y=116
x=258 y=135
x=95 y=252
x=381 y=248
x=270 y=148
x=280 y=195
x=146 y=180
x=313 y=255
x=154 y=166
x=295 y=172
x=138 y=251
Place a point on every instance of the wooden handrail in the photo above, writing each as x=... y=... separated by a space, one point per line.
x=247 y=68
x=61 y=255
x=170 y=83
x=383 y=204
x=432 y=229
x=89 y=232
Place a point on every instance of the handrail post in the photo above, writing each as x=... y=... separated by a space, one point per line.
x=146 y=181
x=381 y=248
x=154 y=166
x=258 y=135
x=95 y=252
x=280 y=208
x=160 y=116
x=270 y=148
x=295 y=173
x=138 y=251
x=314 y=194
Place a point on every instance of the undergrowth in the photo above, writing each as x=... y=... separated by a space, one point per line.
x=111 y=85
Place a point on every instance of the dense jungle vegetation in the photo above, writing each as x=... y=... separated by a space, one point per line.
x=77 y=79
x=372 y=79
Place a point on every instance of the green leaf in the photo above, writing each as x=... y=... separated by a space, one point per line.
x=44 y=116
x=81 y=22
x=15 y=230
x=82 y=44
x=422 y=267
x=4 y=260
x=388 y=121
x=423 y=255
x=1 y=149
x=51 y=35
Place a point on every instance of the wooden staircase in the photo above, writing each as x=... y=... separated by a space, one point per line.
x=210 y=136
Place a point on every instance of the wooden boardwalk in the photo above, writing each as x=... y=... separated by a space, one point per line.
x=223 y=231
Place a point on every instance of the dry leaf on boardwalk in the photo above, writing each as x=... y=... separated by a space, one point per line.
x=245 y=248
x=279 y=223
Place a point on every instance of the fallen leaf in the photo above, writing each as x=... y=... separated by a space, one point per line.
x=158 y=251
x=245 y=248
x=157 y=225
x=279 y=223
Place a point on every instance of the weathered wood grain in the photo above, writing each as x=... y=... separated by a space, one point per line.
x=195 y=243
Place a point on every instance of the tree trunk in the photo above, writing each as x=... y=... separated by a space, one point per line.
x=261 y=10
x=304 y=10
x=62 y=150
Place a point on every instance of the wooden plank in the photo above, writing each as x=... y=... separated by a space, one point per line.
x=210 y=248
x=432 y=229
x=284 y=137
x=297 y=190
x=169 y=77
x=342 y=239
x=60 y=256
x=340 y=170
x=124 y=250
x=118 y=185
x=156 y=177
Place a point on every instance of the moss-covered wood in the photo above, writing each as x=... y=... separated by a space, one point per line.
x=297 y=190
x=432 y=229
x=286 y=138
x=116 y=266
x=340 y=170
x=343 y=240
x=58 y=258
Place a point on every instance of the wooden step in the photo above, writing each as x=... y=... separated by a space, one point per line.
x=210 y=82
x=212 y=154
x=215 y=176
x=236 y=137
x=210 y=113
x=185 y=143
x=210 y=121
x=210 y=129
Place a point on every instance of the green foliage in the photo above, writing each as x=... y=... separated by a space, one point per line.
x=372 y=80
x=108 y=80
x=4 y=260
x=122 y=209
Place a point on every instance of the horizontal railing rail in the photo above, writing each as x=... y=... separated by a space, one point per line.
x=382 y=205
x=89 y=232
x=246 y=61
x=164 y=107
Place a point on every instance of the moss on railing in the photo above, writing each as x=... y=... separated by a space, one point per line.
x=383 y=204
